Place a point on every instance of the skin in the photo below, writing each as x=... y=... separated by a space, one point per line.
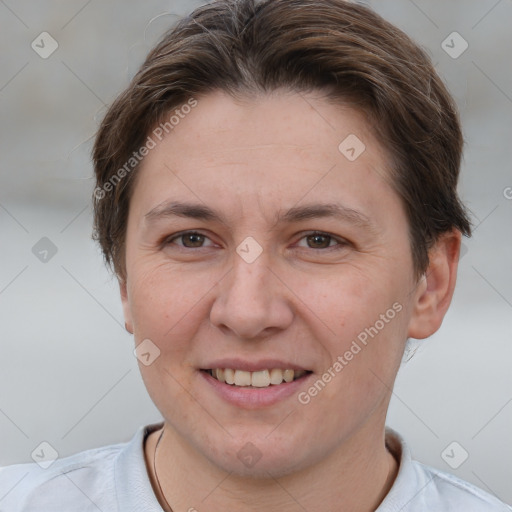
x=298 y=301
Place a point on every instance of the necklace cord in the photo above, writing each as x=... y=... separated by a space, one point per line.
x=160 y=487
x=155 y=473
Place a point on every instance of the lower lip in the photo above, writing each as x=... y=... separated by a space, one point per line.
x=254 y=398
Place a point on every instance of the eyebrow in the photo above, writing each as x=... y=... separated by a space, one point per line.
x=296 y=214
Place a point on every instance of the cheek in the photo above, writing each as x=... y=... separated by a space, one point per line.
x=166 y=306
x=348 y=302
x=158 y=286
x=367 y=322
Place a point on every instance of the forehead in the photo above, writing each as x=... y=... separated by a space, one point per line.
x=283 y=121
x=274 y=149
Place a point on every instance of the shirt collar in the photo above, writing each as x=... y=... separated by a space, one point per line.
x=133 y=487
x=406 y=485
x=135 y=492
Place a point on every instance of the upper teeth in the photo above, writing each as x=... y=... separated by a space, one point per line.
x=260 y=379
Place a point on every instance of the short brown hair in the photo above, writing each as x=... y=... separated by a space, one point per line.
x=254 y=47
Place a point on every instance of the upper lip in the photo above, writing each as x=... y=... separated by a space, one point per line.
x=252 y=366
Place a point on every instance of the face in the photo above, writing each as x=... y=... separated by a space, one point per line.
x=255 y=244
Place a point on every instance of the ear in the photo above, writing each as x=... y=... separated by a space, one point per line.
x=128 y=321
x=435 y=288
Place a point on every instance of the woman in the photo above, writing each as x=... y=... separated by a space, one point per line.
x=276 y=194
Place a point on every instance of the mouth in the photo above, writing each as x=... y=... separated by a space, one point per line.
x=258 y=379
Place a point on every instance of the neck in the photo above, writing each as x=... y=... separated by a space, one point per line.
x=355 y=477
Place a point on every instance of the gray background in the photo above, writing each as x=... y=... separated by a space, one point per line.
x=67 y=371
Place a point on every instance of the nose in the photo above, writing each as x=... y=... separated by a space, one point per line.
x=252 y=302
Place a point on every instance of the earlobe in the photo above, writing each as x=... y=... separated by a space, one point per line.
x=435 y=288
x=123 y=289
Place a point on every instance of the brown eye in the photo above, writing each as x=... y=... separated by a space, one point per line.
x=322 y=242
x=192 y=240
x=189 y=240
x=318 y=241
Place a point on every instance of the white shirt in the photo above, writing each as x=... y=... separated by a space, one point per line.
x=114 y=478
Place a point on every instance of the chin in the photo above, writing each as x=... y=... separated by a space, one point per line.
x=260 y=457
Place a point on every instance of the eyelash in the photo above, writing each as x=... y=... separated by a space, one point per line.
x=340 y=243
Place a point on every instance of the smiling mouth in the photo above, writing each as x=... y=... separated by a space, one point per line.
x=259 y=379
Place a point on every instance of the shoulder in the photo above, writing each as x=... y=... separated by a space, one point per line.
x=421 y=488
x=81 y=481
x=455 y=493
